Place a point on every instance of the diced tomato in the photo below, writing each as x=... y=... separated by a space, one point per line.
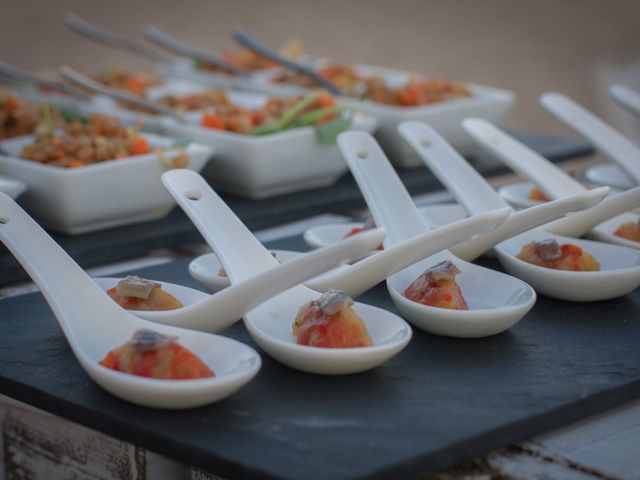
x=140 y=146
x=209 y=120
x=11 y=104
x=325 y=101
x=135 y=85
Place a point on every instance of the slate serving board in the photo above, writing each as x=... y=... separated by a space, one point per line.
x=439 y=402
x=132 y=241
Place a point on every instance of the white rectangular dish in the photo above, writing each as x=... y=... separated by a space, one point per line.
x=486 y=102
x=98 y=196
x=263 y=166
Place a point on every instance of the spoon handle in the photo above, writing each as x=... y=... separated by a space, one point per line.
x=173 y=44
x=248 y=41
x=580 y=223
x=626 y=97
x=526 y=163
x=105 y=37
x=604 y=137
x=241 y=254
x=454 y=172
x=387 y=198
x=96 y=87
x=14 y=73
x=361 y=276
x=71 y=294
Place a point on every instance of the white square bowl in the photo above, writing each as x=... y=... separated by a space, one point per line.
x=99 y=196
x=264 y=166
x=445 y=117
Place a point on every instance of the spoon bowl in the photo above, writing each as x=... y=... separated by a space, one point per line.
x=619 y=274
x=270 y=325
x=93 y=324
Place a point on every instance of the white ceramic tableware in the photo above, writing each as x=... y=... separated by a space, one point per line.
x=266 y=165
x=94 y=324
x=270 y=325
x=205 y=268
x=626 y=97
x=604 y=137
x=359 y=277
x=517 y=194
x=486 y=102
x=615 y=278
x=102 y=195
x=496 y=301
x=556 y=184
x=12 y=187
x=476 y=196
x=213 y=313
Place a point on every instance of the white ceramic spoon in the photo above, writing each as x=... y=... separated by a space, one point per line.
x=214 y=313
x=94 y=324
x=270 y=325
x=475 y=194
x=205 y=268
x=615 y=278
x=626 y=97
x=557 y=184
x=105 y=37
x=604 y=137
x=358 y=278
x=496 y=300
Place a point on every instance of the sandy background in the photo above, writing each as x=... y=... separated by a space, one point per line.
x=573 y=46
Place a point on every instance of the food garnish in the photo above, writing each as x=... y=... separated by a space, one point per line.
x=154 y=355
x=437 y=287
x=548 y=253
x=135 y=293
x=330 y=322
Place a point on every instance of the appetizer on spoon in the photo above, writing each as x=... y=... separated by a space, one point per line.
x=357 y=278
x=604 y=223
x=195 y=310
x=554 y=265
x=296 y=326
x=495 y=301
x=136 y=360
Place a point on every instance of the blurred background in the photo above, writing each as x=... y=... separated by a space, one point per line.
x=573 y=46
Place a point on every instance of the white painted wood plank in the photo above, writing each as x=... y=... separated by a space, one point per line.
x=44 y=446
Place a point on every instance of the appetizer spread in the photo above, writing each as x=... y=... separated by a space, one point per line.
x=330 y=322
x=437 y=287
x=20 y=117
x=548 y=253
x=278 y=114
x=154 y=355
x=630 y=231
x=79 y=144
x=418 y=90
x=135 y=293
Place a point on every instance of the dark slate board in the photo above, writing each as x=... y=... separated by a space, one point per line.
x=439 y=402
x=132 y=241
